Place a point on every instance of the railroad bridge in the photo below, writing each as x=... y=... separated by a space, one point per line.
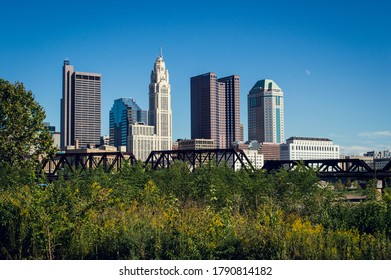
x=336 y=169
x=328 y=169
x=79 y=161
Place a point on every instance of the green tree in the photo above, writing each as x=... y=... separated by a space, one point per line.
x=22 y=133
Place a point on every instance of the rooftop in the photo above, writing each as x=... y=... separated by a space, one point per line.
x=309 y=138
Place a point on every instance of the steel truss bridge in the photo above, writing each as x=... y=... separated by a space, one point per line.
x=78 y=162
x=327 y=169
x=334 y=169
x=197 y=158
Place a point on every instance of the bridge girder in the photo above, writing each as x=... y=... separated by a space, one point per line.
x=333 y=168
x=196 y=158
x=78 y=162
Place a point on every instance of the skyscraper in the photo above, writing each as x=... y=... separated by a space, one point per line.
x=80 y=107
x=215 y=112
x=232 y=109
x=124 y=112
x=160 y=115
x=266 y=112
x=157 y=135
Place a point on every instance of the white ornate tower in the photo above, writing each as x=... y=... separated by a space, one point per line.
x=160 y=114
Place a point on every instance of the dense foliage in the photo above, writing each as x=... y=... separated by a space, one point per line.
x=211 y=213
x=22 y=133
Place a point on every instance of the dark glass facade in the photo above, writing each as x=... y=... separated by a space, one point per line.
x=124 y=112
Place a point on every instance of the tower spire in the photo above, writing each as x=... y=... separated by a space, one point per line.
x=161 y=52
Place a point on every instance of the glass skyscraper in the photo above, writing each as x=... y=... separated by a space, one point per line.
x=124 y=112
x=266 y=112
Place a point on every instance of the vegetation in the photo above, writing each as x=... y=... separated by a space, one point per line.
x=22 y=133
x=212 y=213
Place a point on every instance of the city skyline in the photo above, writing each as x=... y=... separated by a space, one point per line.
x=333 y=62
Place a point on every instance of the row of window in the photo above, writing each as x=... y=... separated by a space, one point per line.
x=86 y=77
x=315 y=148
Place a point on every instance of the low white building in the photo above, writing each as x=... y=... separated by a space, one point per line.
x=254 y=157
x=196 y=144
x=142 y=140
x=303 y=148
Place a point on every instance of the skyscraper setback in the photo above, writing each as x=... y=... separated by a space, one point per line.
x=157 y=135
x=160 y=115
x=266 y=112
x=215 y=111
x=80 y=107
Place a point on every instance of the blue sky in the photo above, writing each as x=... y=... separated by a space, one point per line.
x=332 y=59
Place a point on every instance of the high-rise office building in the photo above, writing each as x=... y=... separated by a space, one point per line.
x=157 y=135
x=266 y=112
x=124 y=112
x=160 y=115
x=232 y=109
x=215 y=112
x=80 y=107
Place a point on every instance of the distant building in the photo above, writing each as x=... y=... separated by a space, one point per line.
x=255 y=157
x=380 y=154
x=215 y=111
x=270 y=151
x=379 y=159
x=51 y=128
x=251 y=149
x=175 y=145
x=80 y=107
x=56 y=135
x=56 y=139
x=266 y=112
x=142 y=140
x=302 y=148
x=105 y=140
x=124 y=112
x=241 y=134
x=196 y=144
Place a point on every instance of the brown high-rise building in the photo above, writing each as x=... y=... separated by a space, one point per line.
x=232 y=109
x=80 y=108
x=215 y=109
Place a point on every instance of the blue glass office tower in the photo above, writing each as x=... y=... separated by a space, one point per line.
x=124 y=112
x=266 y=112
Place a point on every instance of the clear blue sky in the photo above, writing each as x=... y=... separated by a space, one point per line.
x=332 y=59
